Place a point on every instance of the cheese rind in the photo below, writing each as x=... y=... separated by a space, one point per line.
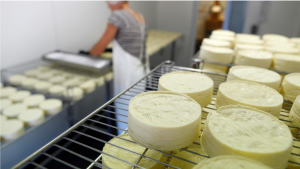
x=295 y=112
x=230 y=162
x=19 y=96
x=256 y=58
x=290 y=87
x=11 y=129
x=14 y=110
x=197 y=86
x=51 y=106
x=249 y=94
x=32 y=117
x=164 y=120
x=216 y=54
x=34 y=100
x=216 y=43
x=248 y=132
x=286 y=63
x=255 y=74
x=7 y=91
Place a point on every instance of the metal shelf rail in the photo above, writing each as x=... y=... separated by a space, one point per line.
x=82 y=128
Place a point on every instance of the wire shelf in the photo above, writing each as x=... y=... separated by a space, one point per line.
x=89 y=153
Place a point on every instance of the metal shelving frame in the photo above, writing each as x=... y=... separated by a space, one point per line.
x=150 y=81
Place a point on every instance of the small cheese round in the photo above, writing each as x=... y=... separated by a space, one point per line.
x=221 y=32
x=239 y=47
x=32 y=117
x=197 y=86
x=4 y=103
x=42 y=86
x=216 y=43
x=248 y=132
x=286 y=63
x=16 y=79
x=274 y=37
x=57 y=79
x=51 y=106
x=34 y=100
x=14 y=110
x=11 y=129
x=230 y=162
x=255 y=74
x=57 y=90
x=247 y=36
x=210 y=67
x=164 y=120
x=29 y=83
x=250 y=41
x=256 y=58
x=2 y=118
x=19 y=96
x=109 y=76
x=72 y=82
x=44 y=68
x=216 y=54
x=249 y=94
x=128 y=156
x=7 y=91
x=74 y=93
x=290 y=87
x=32 y=72
x=45 y=75
x=295 y=112
x=224 y=38
x=283 y=50
x=88 y=86
x=176 y=162
x=100 y=80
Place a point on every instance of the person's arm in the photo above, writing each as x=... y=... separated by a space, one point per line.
x=108 y=36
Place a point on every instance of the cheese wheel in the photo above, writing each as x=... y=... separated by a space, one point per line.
x=32 y=117
x=44 y=68
x=32 y=72
x=290 y=87
x=295 y=112
x=45 y=75
x=7 y=91
x=274 y=37
x=247 y=36
x=127 y=156
x=164 y=120
x=2 y=118
x=100 y=81
x=16 y=79
x=72 y=82
x=255 y=74
x=109 y=76
x=19 y=96
x=57 y=79
x=225 y=38
x=14 y=110
x=11 y=129
x=216 y=54
x=176 y=162
x=42 y=86
x=280 y=44
x=88 y=86
x=210 y=67
x=74 y=93
x=257 y=58
x=216 y=43
x=51 y=106
x=4 y=103
x=29 y=83
x=230 y=162
x=248 y=132
x=250 y=41
x=286 y=63
x=249 y=94
x=283 y=50
x=34 y=100
x=239 y=47
x=221 y=32
x=294 y=158
x=197 y=86
x=57 y=90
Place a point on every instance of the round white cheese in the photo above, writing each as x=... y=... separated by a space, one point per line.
x=128 y=156
x=74 y=93
x=274 y=37
x=44 y=68
x=247 y=36
x=100 y=80
x=225 y=38
x=248 y=132
x=42 y=87
x=230 y=162
x=255 y=74
x=57 y=79
x=34 y=100
x=7 y=91
x=283 y=50
x=16 y=79
x=197 y=86
x=286 y=63
x=250 y=41
x=32 y=117
x=164 y=120
x=88 y=86
x=290 y=87
x=11 y=129
x=249 y=94
x=57 y=90
x=51 y=106
x=216 y=54
x=45 y=75
x=239 y=47
x=4 y=103
x=19 y=96
x=109 y=76
x=210 y=67
x=32 y=72
x=216 y=43
x=221 y=32
x=295 y=112
x=176 y=162
x=14 y=110
x=256 y=58
x=3 y=118
x=29 y=83
x=72 y=82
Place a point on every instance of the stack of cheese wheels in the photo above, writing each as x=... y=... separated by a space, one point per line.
x=253 y=134
x=286 y=63
x=187 y=155
x=283 y=50
x=197 y=86
x=230 y=162
x=16 y=79
x=215 y=68
x=29 y=83
x=34 y=100
x=42 y=86
x=4 y=103
x=74 y=93
x=250 y=41
x=88 y=86
x=249 y=94
x=32 y=117
x=255 y=74
x=221 y=32
x=229 y=39
x=109 y=76
x=294 y=157
x=32 y=72
x=14 y=110
x=216 y=54
x=7 y=91
x=290 y=87
x=295 y=112
x=275 y=37
x=239 y=47
x=57 y=90
x=51 y=106
x=45 y=75
x=164 y=120
x=125 y=142
x=57 y=79
x=19 y=96
x=11 y=129
x=216 y=43
x=247 y=36
x=256 y=58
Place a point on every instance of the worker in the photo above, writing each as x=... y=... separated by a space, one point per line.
x=127 y=29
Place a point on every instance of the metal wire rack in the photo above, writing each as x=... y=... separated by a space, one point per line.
x=88 y=153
